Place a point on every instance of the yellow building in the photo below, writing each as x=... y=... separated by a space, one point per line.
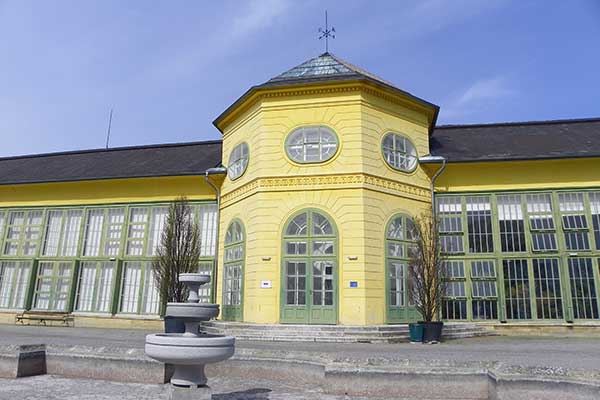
x=326 y=166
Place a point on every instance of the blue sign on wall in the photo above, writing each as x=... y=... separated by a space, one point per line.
x=353 y=284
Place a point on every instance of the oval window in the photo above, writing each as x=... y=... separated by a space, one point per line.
x=311 y=144
x=399 y=152
x=238 y=161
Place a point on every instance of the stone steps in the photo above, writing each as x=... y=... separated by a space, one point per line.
x=333 y=333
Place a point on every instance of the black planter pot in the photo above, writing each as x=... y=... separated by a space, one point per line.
x=174 y=325
x=432 y=331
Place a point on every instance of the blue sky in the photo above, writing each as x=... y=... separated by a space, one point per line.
x=169 y=68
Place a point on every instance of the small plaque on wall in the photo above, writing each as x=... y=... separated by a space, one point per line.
x=265 y=284
x=353 y=284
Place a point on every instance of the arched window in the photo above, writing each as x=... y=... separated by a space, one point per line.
x=233 y=271
x=399 y=152
x=311 y=144
x=309 y=286
x=400 y=240
x=238 y=161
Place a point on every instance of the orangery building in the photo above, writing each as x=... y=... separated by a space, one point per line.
x=305 y=208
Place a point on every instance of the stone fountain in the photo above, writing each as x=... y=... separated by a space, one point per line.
x=189 y=352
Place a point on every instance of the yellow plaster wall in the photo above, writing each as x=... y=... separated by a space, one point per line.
x=519 y=175
x=106 y=191
x=360 y=211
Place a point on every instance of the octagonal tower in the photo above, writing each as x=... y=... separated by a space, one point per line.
x=323 y=178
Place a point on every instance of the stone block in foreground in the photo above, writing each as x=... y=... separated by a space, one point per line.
x=22 y=360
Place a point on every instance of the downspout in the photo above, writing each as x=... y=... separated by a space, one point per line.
x=432 y=159
x=216 y=171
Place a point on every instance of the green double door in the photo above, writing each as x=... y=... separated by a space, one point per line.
x=309 y=270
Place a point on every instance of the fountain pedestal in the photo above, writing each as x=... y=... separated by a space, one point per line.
x=189 y=352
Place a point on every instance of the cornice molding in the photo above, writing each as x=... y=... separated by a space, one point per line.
x=323 y=182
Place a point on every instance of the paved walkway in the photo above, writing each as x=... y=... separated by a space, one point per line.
x=572 y=353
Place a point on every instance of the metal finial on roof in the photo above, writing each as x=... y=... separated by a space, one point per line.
x=327 y=33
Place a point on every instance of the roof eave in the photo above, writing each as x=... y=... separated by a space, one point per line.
x=320 y=81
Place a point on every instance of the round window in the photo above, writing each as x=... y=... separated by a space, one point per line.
x=399 y=152
x=238 y=161
x=311 y=144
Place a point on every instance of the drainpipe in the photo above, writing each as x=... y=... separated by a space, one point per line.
x=216 y=171
x=430 y=160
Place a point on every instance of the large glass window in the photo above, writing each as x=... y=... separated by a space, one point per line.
x=541 y=222
x=546 y=277
x=399 y=152
x=454 y=303
x=516 y=289
x=234 y=263
x=62 y=233
x=103 y=232
x=14 y=279
x=238 y=161
x=484 y=290
x=400 y=239
x=479 y=221
x=311 y=144
x=53 y=286
x=450 y=224
x=595 y=208
x=574 y=221
x=23 y=232
x=207 y=225
x=95 y=286
x=139 y=294
x=512 y=226
x=583 y=288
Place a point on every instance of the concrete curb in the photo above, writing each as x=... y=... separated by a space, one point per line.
x=372 y=377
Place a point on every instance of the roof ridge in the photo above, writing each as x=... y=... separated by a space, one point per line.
x=110 y=149
x=518 y=123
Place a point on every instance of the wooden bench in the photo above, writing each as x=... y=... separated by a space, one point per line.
x=43 y=318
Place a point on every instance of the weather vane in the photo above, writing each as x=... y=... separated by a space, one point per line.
x=327 y=33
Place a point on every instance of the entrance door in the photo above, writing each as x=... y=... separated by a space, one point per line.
x=53 y=286
x=309 y=289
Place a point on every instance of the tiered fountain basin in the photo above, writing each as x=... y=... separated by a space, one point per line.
x=189 y=352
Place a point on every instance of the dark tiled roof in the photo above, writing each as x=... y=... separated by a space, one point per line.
x=517 y=140
x=123 y=162
x=321 y=69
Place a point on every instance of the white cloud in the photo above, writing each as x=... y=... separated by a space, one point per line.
x=478 y=94
x=261 y=14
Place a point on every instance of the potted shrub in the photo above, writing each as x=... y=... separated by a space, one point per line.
x=426 y=273
x=178 y=252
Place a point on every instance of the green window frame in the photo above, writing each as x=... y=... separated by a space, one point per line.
x=595 y=212
x=23 y=232
x=454 y=302
x=104 y=229
x=542 y=227
x=311 y=144
x=479 y=224
x=450 y=215
x=574 y=221
x=399 y=152
x=517 y=289
x=61 y=235
x=95 y=286
x=53 y=286
x=14 y=281
x=484 y=290
x=583 y=288
x=511 y=223
x=139 y=294
x=548 y=293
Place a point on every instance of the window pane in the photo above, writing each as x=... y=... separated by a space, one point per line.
x=138 y=220
x=512 y=226
x=157 y=223
x=130 y=291
x=547 y=288
x=399 y=152
x=207 y=224
x=583 y=288
x=238 y=161
x=93 y=232
x=516 y=289
x=595 y=208
x=70 y=234
x=311 y=144
x=479 y=221
x=539 y=208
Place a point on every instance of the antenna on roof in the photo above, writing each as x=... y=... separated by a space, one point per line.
x=109 y=125
x=327 y=33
